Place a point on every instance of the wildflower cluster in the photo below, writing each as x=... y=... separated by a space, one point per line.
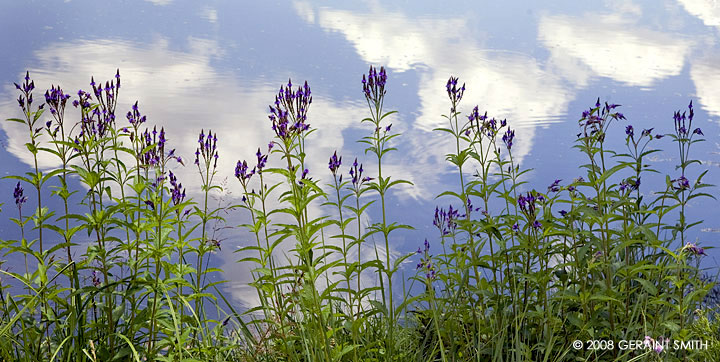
x=177 y=191
x=356 y=174
x=56 y=100
x=335 y=163
x=693 y=249
x=242 y=173
x=446 y=221
x=630 y=184
x=481 y=125
x=262 y=158
x=527 y=204
x=207 y=149
x=426 y=263
x=595 y=120
x=555 y=186
x=374 y=85
x=25 y=99
x=153 y=145
x=683 y=123
x=289 y=113
x=508 y=138
x=18 y=194
x=107 y=96
x=134 y=116
x=454 y=92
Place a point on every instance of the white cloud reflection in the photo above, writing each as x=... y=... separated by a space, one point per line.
x=705 y=73
x=612 y=46
x=707 y=10
x=160 y=2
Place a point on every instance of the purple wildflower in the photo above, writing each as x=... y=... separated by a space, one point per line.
x=289 y=112
x=527 y=204
x=135 y=117
x=207 y=149
x=508 y=138
x=356 y=175
x=56 y=100
x=454 y=92
x=176 y=190
x=261 y=160
x=96 y=279
x=694 y=249
x=20 y=199
x=241 y=172
x=374 y=85
x=425 y=263
x=682 y=183
x=150 y=203
x=681 y=126
x=446 y=221
x=555 y=186
x=334 y=163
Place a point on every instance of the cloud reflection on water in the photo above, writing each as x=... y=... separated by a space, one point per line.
x=613 y=46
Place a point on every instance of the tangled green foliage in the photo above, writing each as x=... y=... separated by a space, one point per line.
x=513 y=273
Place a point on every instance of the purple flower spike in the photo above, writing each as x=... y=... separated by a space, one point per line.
x=20 y=199
x=356 y=172
x=334 y=163
x=454 y=92
x=261 y=160
x=289 y=112
x=698 y=131
x=682 y=183
x=629 y=131
x=96 y=279
x=374 y=85
x=555 y=186
x=176 y=190
x=694 y=249
x=207 y=150
x=508 y=138
x=425 y=263
x=241 y=172
x=527 y=204
x=150 y=203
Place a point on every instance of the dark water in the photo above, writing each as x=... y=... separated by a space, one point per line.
x=218 y=65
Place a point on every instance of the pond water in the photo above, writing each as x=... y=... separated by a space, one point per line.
x=218 y=65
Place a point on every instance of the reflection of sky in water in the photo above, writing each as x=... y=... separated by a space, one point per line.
x=219 y=64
